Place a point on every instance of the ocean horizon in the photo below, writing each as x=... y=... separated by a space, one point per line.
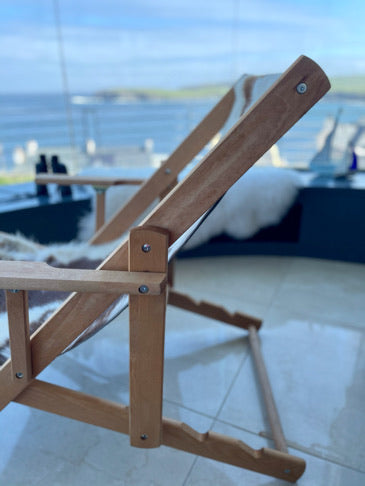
x=52 y=121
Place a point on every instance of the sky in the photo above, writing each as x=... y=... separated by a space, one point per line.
x=86 y=45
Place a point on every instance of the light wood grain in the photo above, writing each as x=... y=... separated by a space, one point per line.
x=271 y=409
x=19 y=340
x=146 y=338
x=167 y=189
x=232 y=451
x=96 y=181
x=171 y=267
x=103 y=413
x=256 y=131
x=75 y=405
x=213 y=311
x=40 y=276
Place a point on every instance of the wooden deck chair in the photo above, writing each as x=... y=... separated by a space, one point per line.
x=138 y=268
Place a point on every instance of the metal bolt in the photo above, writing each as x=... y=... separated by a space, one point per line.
x=287 y=471
x=143 y=289
x=19 y=375
x=302 y=88
x=146 y=247
x=167 y=171
x=144 y=436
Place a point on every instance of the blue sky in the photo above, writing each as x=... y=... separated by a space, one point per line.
x=167 y=43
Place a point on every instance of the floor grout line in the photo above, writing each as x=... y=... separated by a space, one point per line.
x=190 y=470
x=180 y=405
x=244 y=358
x=280 y=284
x=214 y=418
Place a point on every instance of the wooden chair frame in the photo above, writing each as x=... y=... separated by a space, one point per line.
x=139 y=267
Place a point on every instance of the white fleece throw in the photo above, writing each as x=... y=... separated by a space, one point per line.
x=259 y=199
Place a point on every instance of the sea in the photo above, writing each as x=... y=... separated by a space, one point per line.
x=52 y=120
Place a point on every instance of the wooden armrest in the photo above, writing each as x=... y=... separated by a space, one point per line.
x=66 y=180
x=40 y=276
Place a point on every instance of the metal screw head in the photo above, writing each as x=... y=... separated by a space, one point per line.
x=287 y=471
x=167 y=171
x=143 y=289
x=19 y=375
x=144 y=436
x=146 y=247
x=302 y=88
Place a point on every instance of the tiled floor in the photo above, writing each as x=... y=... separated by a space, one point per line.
x=313 y=341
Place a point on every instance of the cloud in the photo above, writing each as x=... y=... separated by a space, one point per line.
x=171 y=43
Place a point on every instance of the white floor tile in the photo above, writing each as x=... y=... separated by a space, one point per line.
x=202 y=360
x=335 y=290
x=317 y=375
x=252 y=278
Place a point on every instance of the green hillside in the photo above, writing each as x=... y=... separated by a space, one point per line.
x=346 y=85
x=354 y=85
x=196 y=92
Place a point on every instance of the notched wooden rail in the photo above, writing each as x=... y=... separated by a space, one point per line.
x=207 y=309
x=232 y=451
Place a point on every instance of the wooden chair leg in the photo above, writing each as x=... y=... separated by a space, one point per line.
x=147 y=252
x=19 y=339
x=171 y=265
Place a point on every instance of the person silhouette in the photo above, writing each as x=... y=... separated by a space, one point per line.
x=59 y=168
x=41 y=167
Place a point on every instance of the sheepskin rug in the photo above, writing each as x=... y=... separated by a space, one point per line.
x=259 y=199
